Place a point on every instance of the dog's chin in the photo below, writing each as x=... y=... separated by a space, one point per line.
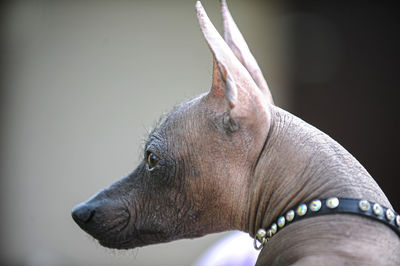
x=141 y=238
x=122 y=245
x=132 y=242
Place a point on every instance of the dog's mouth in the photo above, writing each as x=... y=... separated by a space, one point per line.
x=125 y=244
x=140 y=238
x=135 y=240
x=96 y=221
x=115 y=227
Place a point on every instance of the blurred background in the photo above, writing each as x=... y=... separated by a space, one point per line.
x=82 y=82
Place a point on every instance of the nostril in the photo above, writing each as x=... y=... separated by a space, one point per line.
x=82 y=213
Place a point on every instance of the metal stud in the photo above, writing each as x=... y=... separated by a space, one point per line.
x=301 y=210
x=274 y=228
x=389 y=215
x=270 y=233
x=315 y=205
x=290 y=216
x=364 y=205
x=260 y=237
x=398 y=220
x=261 y=233
x=332 y=203
x=377 y=209
x=281 y=222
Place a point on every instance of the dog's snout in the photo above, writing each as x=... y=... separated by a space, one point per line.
x=82 y=213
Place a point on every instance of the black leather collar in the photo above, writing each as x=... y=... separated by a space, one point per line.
x=330 y=205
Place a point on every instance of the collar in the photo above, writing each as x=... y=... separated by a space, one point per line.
x=330 y=205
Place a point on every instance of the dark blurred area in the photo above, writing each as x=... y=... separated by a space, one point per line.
x=344 y=67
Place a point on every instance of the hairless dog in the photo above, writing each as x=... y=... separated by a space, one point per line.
x=230 y=159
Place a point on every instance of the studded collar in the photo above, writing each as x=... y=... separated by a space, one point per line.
x=329 y=206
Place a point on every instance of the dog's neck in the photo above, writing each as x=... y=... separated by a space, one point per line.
x=300 y=163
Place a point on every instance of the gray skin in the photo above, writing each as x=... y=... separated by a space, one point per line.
x=230 y=159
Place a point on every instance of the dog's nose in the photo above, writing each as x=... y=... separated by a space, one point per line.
x=82 y=213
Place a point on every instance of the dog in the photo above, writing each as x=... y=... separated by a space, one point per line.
x=230 y=159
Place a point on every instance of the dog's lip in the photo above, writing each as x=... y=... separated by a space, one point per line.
x=126 y=244
x=121 y=225
x=129 y=243
x=136 y=240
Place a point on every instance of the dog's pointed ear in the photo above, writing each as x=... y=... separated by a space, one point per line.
x=239 y=47
x=230 y=78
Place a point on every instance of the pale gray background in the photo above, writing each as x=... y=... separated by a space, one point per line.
x=83 y=83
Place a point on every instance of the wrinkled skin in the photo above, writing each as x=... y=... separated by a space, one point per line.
x=230 y=159
x=169 y=202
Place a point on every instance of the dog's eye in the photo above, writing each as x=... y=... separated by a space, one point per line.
x=152 y=160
